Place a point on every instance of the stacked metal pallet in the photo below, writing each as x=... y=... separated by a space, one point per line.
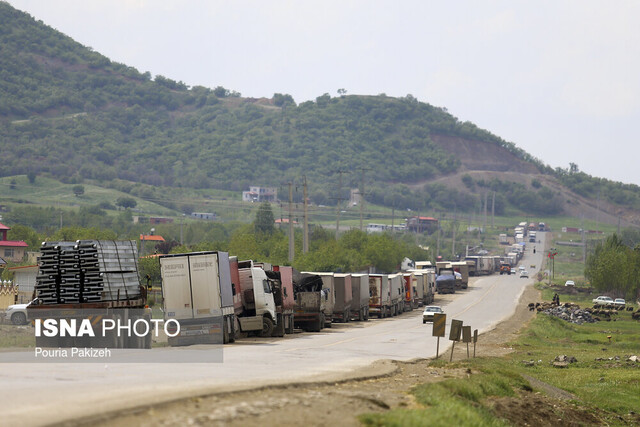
x=87 y=271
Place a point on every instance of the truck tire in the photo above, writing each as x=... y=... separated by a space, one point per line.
x=19 y=319
x=291 y=325
x=225 y=332
x=346 y=317
x=267 y=327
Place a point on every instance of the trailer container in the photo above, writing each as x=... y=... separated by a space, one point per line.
x=379 y=295
x=328 y=287
x=284 y=299
x=344 y=296
x=360 y=297
x=197 y=292
x=408 y=292
x=396 y=287
x=463 y=268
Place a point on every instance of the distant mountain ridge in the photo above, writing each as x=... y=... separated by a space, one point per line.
x=70 y=112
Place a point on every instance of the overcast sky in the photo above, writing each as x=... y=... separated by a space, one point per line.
x=560 y=79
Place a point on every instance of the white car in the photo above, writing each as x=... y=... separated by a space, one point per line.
x=17 y=314
x=569 y=283
x=524 y=274
x=521 y=268
x=427 y=314
x=603 y=300
x=619 y=302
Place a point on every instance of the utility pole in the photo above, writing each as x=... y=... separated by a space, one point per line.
x=438 y=240
x=493 y=210
x=453 y=239
x=305 y=231
x=361 y=191
x=393 y=217
x=486 y=193
x=339 y=199
x=291 y=244
x=181 y=221
x=584 y=247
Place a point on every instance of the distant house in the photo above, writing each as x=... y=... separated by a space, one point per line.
x=421 y=224
x=260 y=194
x=281 y=221
x=11 y=250
x=151 y=238
x=211 y=216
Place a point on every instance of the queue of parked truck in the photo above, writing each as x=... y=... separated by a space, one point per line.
x=212 y=297
x=241 y=298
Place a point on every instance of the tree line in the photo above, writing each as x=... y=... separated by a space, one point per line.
x=614 y=265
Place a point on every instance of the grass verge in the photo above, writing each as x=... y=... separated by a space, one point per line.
x=602 y=387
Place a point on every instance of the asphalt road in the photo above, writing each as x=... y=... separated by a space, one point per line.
x=44 y=393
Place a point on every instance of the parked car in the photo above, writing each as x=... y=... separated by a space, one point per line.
x=619 y=302
x=17 y=313
x=524 y=274
x=521 y=268
x=427 y=314
x=603 y=300
x=569 y=283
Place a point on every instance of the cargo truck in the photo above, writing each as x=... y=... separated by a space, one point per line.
x=284 y=298
x=396 y=287
x=379 y=295
x=417 y=279
x=310 y=309
x=344 y=296
x=197 y=293
x=446 y=281
x=257 y=313
x=95 y=280
x=463 y=268
x=408 y=292
x=310 y=302
x=360 y=297
x=429 y=284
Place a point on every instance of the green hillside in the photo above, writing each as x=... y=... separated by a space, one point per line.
x=70 y=113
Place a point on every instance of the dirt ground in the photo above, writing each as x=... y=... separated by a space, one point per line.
x=341 y=402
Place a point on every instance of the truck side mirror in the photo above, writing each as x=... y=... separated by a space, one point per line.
x=233 y=289
x=285 y=292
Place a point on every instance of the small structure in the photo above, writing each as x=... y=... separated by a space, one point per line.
x=260 y=194
x=11 y=250
x=354 y=197
x=152 y=238
x=421 y=224
x=211 y=216
x=24 y=278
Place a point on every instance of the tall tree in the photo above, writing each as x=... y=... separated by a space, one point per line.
x=264 y=222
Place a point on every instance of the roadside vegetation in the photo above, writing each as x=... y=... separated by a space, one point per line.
x=600 y=388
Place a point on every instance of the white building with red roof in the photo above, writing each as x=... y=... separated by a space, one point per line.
x=11 y=250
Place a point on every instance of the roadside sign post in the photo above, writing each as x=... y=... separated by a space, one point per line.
x=439 y=322
x=454 y=334
x=475 y=340
x=466 y=337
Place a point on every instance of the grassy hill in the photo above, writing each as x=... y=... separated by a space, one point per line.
x=69 y=113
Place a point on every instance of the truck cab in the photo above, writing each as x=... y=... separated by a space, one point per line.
x=258 y=304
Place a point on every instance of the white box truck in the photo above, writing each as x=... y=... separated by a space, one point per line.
x=196 y=288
